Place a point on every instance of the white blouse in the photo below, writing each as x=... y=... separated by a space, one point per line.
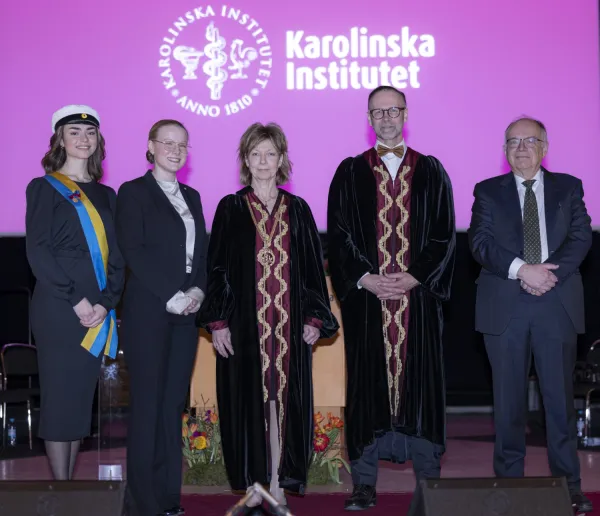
x=179 y=302
x=173 y=193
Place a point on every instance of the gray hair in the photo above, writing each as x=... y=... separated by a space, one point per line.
x=542 y=127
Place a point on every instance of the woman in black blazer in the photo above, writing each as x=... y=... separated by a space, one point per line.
x=162 y=234
x=73 y=253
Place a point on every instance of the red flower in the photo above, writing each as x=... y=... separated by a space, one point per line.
x=320 y=443
x=336 y=422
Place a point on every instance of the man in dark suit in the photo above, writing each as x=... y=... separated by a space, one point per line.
x=530 y=231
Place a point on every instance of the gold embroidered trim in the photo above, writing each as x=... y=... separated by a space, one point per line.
x=387 y=258
x=266 y=327
x=393 y=376
x=404 y=301
x=283 y=318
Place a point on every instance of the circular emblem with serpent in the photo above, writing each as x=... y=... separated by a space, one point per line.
x=215 y=60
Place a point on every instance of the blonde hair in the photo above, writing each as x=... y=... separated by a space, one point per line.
x=253 y=136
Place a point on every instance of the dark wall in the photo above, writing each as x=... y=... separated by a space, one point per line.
x=467 y=370
x=15 y=278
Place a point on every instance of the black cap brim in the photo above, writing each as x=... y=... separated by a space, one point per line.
x=78 y=118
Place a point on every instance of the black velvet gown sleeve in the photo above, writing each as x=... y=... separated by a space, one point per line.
x=434 y=266
x=38 y=227
x=115 y=279
x=343 y=254
x=219 y=302
x=315 y=295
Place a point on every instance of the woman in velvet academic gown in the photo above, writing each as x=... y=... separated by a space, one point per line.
x=266 y=305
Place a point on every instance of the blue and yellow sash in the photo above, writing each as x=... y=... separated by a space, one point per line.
x=103 y=336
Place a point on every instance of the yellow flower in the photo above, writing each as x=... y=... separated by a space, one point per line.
x=184 y=431
x=200 y=443
x=318 y=418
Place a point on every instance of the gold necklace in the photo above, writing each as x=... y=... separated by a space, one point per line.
x=266 y=257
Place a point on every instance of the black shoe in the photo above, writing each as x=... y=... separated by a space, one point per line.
x=174 y=511
x=362 y=498
x=253 y=511
x=580 y=503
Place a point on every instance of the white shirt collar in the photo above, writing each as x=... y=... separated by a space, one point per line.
x=539 y=179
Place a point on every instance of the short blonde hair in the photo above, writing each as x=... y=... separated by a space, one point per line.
x=253 y=136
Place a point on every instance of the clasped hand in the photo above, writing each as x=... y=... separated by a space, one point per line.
x=390 y=286
x=193 y=307
x=537 y=279
x=90 y=316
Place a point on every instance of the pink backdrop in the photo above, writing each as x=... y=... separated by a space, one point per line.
x=467 y=68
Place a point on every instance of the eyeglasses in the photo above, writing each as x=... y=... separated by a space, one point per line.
x=529 y=142
x=393 y=112
x=171 y=145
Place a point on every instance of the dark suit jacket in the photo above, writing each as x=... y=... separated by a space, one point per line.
x=58 y=251
x=152 y=235
x=496 y=239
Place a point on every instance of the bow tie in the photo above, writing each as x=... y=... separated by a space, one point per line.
x=398 y=150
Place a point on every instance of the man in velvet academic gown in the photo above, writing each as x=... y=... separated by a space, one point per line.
x=391 y=257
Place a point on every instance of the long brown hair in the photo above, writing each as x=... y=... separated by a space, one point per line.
x=56 y=156
x=153 y=134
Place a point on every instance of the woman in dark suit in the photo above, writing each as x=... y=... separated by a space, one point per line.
x=162 y=234
x=72 y=250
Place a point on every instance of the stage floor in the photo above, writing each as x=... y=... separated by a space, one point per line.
x=469 y=454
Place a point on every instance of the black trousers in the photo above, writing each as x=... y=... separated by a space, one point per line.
x=397 y=447
x=540 y=327
x=160 y=357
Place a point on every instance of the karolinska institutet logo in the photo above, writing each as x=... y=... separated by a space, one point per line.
x=355 y=60
x=213 y=61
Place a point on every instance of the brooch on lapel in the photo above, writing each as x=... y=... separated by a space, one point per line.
x=75 y=196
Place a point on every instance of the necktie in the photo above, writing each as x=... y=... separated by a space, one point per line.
x=531 y=225
x=398 y=150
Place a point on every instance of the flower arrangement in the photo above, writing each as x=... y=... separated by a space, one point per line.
x=327 y=457
x=202 y=451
